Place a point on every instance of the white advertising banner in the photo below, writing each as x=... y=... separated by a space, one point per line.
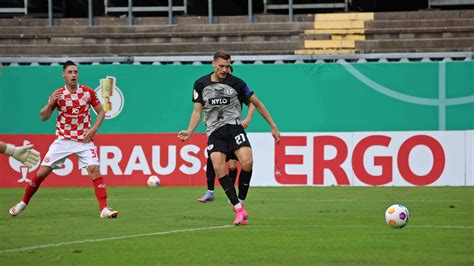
x=470 y=158
x=417 y=158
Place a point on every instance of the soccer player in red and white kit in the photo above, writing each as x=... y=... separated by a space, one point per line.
x=74 y=136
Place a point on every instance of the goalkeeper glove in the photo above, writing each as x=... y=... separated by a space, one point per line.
x=24 y=154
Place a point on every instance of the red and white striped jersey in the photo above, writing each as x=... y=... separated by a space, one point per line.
x=74 y=112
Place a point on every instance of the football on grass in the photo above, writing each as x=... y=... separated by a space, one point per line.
x=153 y=181
x=397 y=216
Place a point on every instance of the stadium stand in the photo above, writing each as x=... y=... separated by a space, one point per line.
x=335 y=33
x=433 y=31
x=152 y=36
x=179 y=34
x=391 y=32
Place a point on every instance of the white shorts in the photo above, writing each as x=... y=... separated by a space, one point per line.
x=62 y=148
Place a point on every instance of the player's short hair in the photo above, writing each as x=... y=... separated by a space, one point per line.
x=68 y=63
x=222 y=54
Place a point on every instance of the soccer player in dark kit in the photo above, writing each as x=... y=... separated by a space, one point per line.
x=219 y=95
x=232 y=160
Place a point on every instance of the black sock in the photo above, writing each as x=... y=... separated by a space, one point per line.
x=229 y=189
x=233 y=175
x=244 y=183
x=210 y=175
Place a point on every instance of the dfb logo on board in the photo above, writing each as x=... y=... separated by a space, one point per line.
x=110 y=96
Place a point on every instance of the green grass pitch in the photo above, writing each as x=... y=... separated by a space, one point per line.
x=288 y=225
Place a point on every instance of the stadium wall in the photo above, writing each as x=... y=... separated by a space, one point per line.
x=387 y=103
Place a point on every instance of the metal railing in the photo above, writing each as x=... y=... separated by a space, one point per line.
x=432 y=3
x=130 y=9
x=291 y=6
x=244 y=59
x=170 y=8
x=23 y=9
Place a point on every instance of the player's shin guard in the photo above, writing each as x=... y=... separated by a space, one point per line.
x=229 y=189
x=32 y=188
x=244 y=183
x=233 y=175
x=210 y=175
x=100 y=192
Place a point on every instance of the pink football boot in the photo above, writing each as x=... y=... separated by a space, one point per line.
x=241 y=216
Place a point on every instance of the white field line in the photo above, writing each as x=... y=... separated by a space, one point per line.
x=61 y=244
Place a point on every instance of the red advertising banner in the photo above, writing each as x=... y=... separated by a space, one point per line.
x=429 y=158
x=126 y=160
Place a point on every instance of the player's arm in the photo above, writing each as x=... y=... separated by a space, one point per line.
x=3 y=147
x=193 y=122
x=89 y=134
x=47 y=110
x=25 y=154
x=266 y=115
x=249 y=116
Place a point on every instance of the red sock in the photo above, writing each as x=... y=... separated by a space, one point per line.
x=32 y=188
x=100 y=192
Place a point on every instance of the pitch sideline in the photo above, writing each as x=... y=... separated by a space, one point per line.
x=114 y=238
x=209 y=228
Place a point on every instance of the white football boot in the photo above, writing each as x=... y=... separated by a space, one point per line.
x=108 y=213
x=209 y=196
x=17 y=209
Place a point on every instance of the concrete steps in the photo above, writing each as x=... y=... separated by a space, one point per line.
x=23 y=21
x=332 y=33
x=429 y=32
x=425 y=14
x=419 y=33
x=423 y=31
x=330 y=44
x=196 y=39
x=335 y=31
x=203 y=48
x=419 y=23
x=152 y=37
x=326 y=51
x=343 y=28
x=158 y=28
x=416 y=45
